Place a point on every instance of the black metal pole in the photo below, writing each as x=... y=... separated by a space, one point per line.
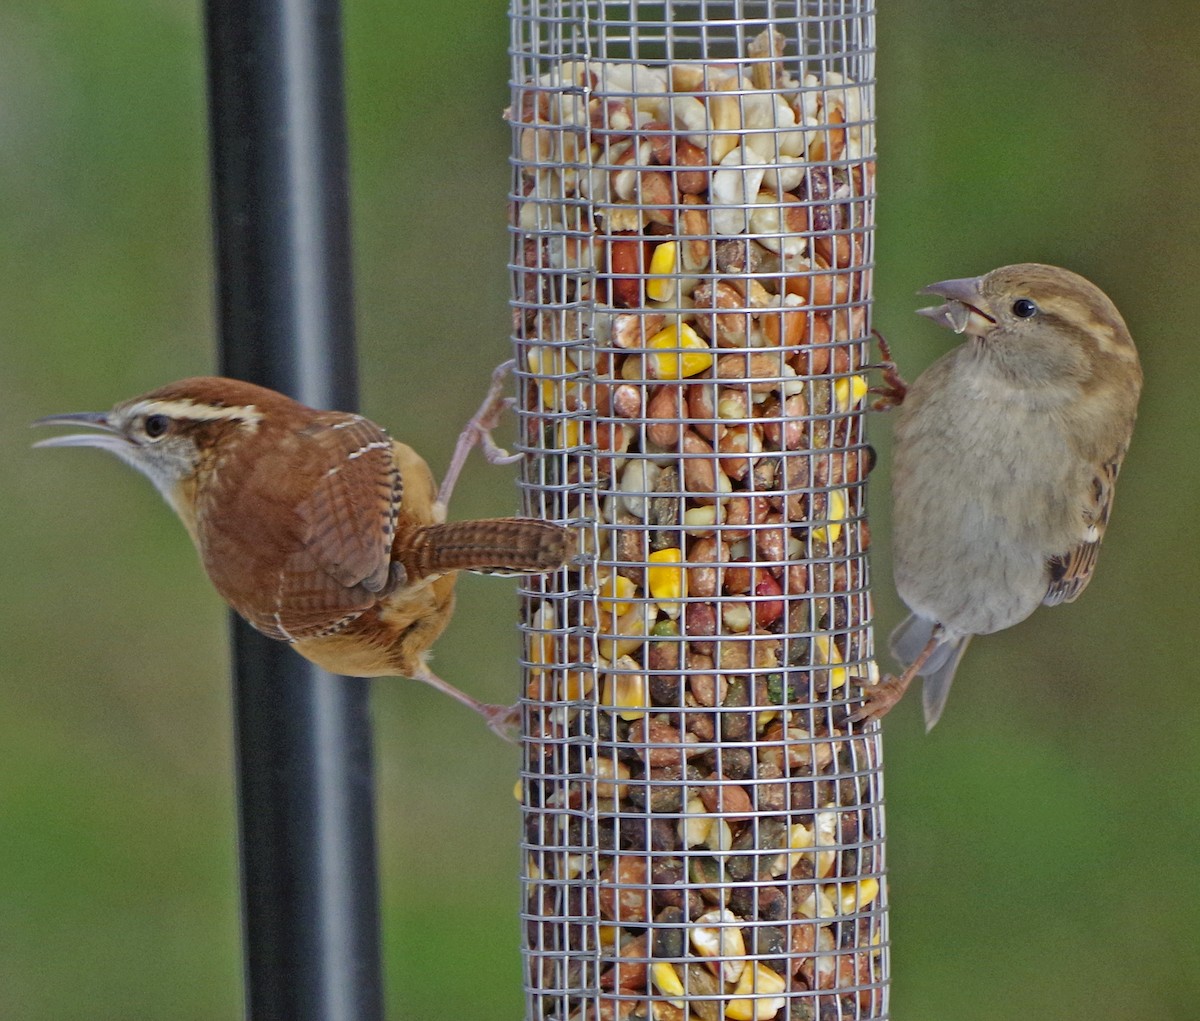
x=305 y=779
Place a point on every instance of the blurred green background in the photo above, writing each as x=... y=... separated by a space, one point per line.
x=1044 y=839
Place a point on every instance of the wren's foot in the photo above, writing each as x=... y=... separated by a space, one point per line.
x=878 y=699
x=478 y=432
x=894 y=388
x=504 y=720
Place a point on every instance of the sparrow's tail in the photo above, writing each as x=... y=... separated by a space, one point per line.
x=937 y=673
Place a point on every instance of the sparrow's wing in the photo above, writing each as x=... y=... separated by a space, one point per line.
x=1070 y=572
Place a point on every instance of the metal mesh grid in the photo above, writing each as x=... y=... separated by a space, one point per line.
x=692 y=216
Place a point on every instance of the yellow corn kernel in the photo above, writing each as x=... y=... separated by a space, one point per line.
x=802 y=838
x=761 y=980
x=629 y=692
x=837 y=514
x=666 y=577
x=852 y=897
x=661 y=285
x=632 y=627
x=615 y=592
x=519 y=789
x=608 y=935
x=553 y=361
x=679 y=352
x=567 y=685
x=666 y=978
x=847 y=392
x=567 y=434
x=575 y=685
x=827 y=654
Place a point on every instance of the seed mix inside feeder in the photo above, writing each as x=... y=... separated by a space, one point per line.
x=691 y=276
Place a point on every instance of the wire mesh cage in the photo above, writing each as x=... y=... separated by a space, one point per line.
x=691 y=222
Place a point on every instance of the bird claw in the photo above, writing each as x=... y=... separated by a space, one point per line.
x=878 y=699
x=503 y=720
x=478 y=432
x=894 y=388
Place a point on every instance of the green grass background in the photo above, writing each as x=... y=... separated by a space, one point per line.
x=1043 y=841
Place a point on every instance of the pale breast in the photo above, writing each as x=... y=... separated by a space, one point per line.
x=985 y=491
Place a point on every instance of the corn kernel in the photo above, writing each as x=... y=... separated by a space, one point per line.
x=720 y=837
x=568 y=685
x=666 y=978
x=848 y=392
x=837 y=514
x=615 y=593
x=666 y=578
x=632 y=628
x=629 y=692
x=717 y=934
x=827 y=654
x=541 y=645
x=608 y=935
x=663 y=263
x=608 y=773
x=823 y=833
x=553 y=361
x=519 y=789
x=695 y=824
x=758 y=979
x=852 y=897
x=568 y=433
x=680 y=352
x=817 y=904
x=575 y=685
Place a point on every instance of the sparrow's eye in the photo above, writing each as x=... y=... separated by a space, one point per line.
x=1023 y=308
x=156 y=426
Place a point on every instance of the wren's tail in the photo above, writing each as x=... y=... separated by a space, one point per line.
x=488 y=546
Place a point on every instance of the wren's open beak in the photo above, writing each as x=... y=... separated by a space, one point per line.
x=107 y=438
x=964 y=309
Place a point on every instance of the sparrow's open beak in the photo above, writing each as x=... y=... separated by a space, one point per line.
x=964 y=311
x=106 y=438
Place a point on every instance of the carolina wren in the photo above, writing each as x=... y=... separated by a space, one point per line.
x=316 y=526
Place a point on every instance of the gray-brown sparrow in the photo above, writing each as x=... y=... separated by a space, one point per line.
x=1006 y=455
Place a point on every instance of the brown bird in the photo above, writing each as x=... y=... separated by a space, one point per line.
x=1006 y=456
x=316 y=526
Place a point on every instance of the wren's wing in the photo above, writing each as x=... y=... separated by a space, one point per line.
x=1070 y=573
x=349 y=517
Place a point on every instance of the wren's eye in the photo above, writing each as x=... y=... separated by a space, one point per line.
x=1023 y=308
x=156 y=426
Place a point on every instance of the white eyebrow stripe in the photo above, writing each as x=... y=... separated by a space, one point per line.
x=199 y=412
x=376 y=445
